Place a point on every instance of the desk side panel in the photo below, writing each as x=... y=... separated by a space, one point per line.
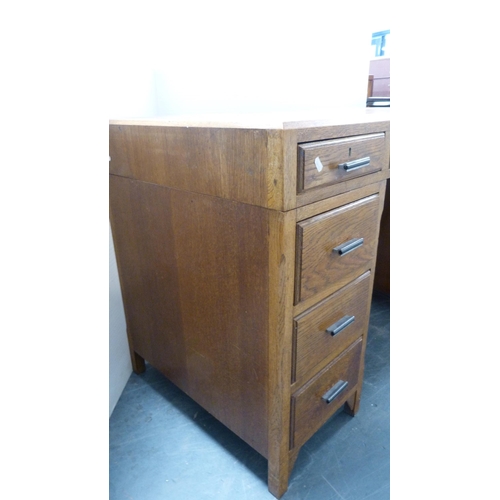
x=195 y=279
x=244 y=165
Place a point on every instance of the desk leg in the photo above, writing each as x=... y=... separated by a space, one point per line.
x=351 y=406
x=138 y=364
x=278 y=482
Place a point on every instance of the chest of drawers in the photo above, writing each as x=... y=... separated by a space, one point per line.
x=246 y=251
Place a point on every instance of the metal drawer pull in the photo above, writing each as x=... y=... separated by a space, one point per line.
x=340 y=325
x=330 y=395
x=353 y=165
x=349 y=246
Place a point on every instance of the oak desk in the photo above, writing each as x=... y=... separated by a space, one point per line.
x=246 y=249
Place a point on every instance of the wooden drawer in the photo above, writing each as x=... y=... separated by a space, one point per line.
x=309 y=408
x=323 y=260
x=337 y=160
x=325 y=330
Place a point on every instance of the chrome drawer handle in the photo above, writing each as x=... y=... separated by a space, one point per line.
x=340 y=325
x=353 y=165
x=349 y=246
x=330 y=395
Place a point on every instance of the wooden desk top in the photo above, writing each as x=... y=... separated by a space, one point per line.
x=271 y=121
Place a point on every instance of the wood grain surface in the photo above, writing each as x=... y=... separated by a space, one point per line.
x=314 y=346
x=318 y=266
x=236 y=164
x=309 y=410
x=333 y=152
x=195 y=280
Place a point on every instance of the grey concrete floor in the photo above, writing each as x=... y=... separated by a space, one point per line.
x=163 y=445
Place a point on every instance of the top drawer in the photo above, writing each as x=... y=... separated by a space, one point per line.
x=321 y=163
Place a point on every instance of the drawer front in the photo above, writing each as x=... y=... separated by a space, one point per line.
x=325 y=330
x=336 y=247
x=329 y=162
x=310 y=409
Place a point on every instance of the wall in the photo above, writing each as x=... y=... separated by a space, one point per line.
x=120 y=366
x=199 y=57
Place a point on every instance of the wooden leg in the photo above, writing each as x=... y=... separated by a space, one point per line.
x=352 y=404
x=277 y=478
x=291 y=461
x=278 y=485
x=138 y=364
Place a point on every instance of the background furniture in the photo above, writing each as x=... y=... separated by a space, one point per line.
x=246 y=252
x=380 y=73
